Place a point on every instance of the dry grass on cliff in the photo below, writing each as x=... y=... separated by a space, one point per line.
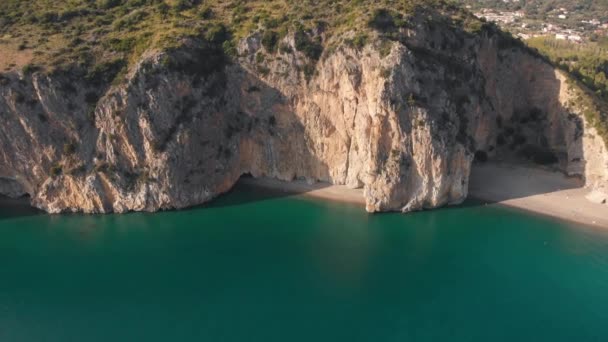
x=89 y=32
x=98 y=35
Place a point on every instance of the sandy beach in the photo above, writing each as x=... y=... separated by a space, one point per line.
x=536 y=190
x=319 y=190
x=531 y=189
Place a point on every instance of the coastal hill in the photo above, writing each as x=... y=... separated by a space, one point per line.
x=143 y=105
x=573 y=34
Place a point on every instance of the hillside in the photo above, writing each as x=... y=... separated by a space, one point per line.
x=51 y=34
x=572 y=35
x=113 y=106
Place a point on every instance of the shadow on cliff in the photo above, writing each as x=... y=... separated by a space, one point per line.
x=16 y=207
x=537 y=140
x=498 y=182
x=274 y=143
x=249 y=190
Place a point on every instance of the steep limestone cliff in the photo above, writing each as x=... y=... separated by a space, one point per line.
x=402 y=119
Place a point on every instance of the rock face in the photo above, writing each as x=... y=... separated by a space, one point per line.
x=404 y=121
x=11 y=188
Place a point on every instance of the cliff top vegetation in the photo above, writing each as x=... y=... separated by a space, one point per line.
x=51 y=34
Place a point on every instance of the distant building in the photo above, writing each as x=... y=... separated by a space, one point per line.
x=500 y=17
x=549 y=28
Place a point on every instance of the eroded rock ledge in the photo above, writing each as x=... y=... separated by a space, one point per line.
x=404 y=123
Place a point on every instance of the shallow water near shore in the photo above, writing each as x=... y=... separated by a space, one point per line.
x=259 y=266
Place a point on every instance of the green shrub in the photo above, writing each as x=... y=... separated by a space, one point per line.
x=136 y=3
x=412 y=100
x=264 y=71
x=259 y=58
x=206 y=13
x=56 y=170
x=163 y=9
x=200 y=61
x=104 y=167
x=183 y=5
x=481 y=156
x=539 y=155
x=70 y=14
x=78 y=170
x=382 y=20
x=385 y=48
x=104 y=73
x=107 y=4
x=270 y=40
x=69 y=148
x=229 y=48
x=285 y=48
x=358 y=42
x=128 y=22
x=273 y=23
x=385 y=72
x=311 y=48
x=217 y=34
x=48 y=17
x=474 y=26
x=121 y=45
x=4 y=80
x=30 y=69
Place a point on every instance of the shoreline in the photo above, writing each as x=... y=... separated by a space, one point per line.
x=537 y=191
x=532 y=190
x=558 y=218
x=327 y=191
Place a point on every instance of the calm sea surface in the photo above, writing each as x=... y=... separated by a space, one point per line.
x=261 y=267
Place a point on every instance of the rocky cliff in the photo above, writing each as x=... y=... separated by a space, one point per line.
x=402 y=118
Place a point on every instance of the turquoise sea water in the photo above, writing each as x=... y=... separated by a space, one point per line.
x=252 y=267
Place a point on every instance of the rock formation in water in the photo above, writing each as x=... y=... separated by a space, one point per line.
x=403 y=119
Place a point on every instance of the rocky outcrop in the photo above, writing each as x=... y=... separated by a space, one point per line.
x=402 y=119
